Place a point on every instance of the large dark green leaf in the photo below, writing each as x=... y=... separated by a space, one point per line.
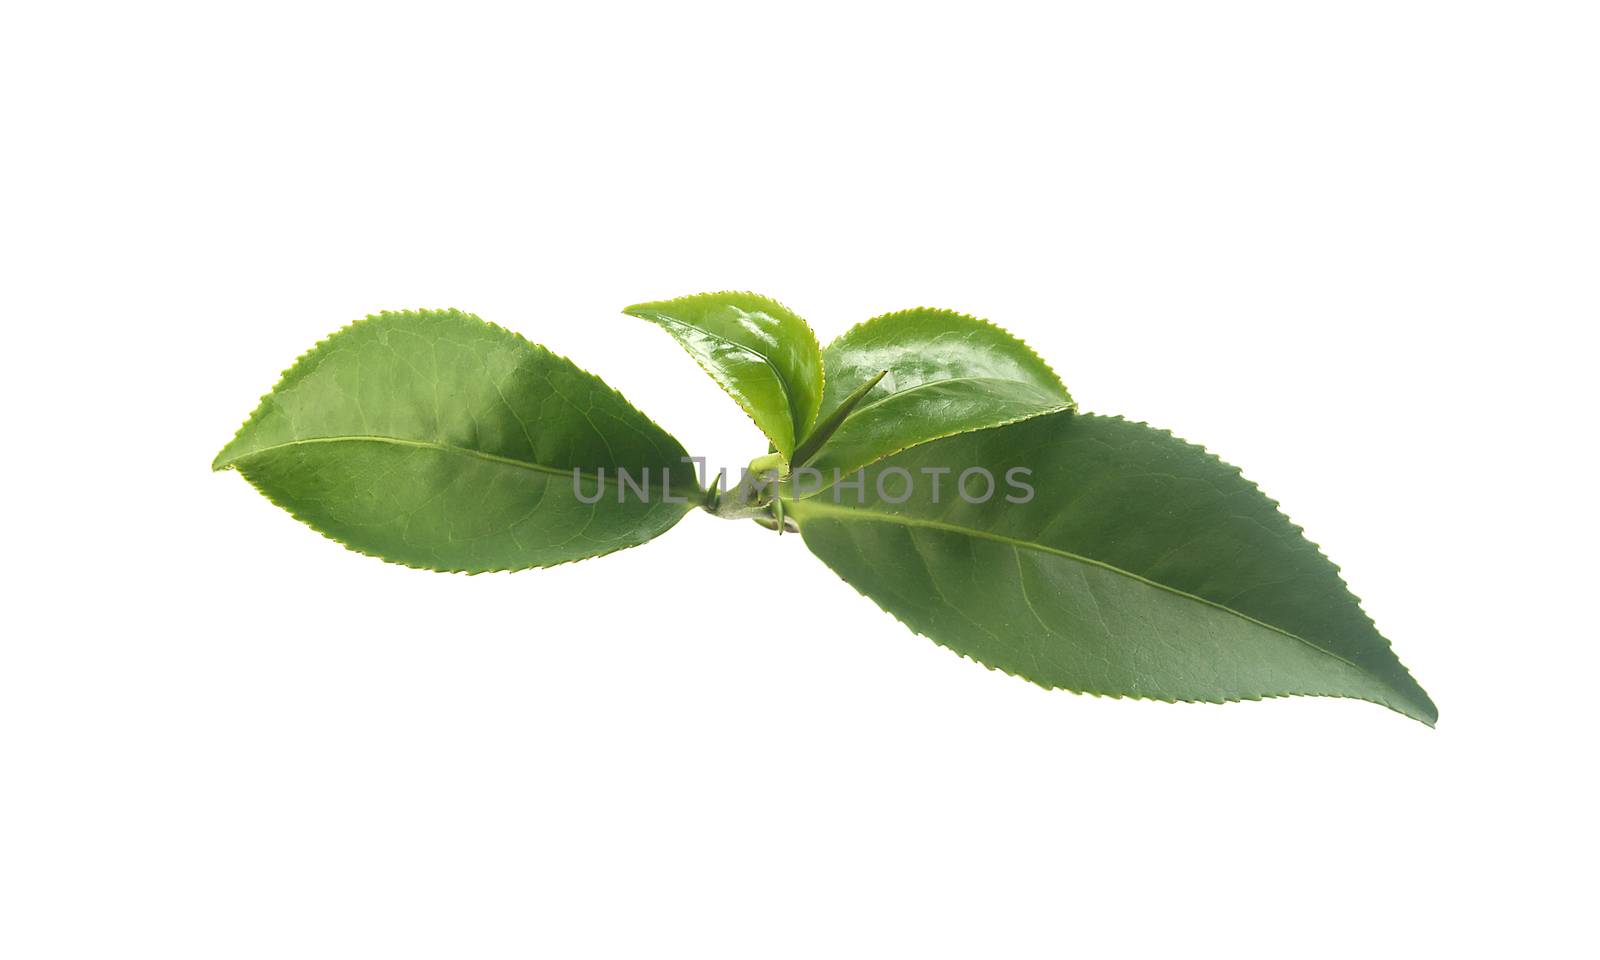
x=947 y=373
x=756 y=349
x=1141 y=567
x=437 y=440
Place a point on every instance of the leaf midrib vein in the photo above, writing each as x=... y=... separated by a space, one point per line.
x=425 y=444
x=942 y=382
x=803 y=507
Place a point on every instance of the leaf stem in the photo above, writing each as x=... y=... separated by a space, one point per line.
x=754 y=494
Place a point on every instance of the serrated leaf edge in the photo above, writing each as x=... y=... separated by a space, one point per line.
x=1124 y=696
x=1068 y=404
x=261 y=404
x=964 y=316
x=716 y=377
x=218 y=466
x=1337 y=573
x=787 y=390
x=471 y=572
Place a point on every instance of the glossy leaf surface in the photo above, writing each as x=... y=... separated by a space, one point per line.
x=948 y=373
x=434 y=439
x=1143 y=566
x=756 y=349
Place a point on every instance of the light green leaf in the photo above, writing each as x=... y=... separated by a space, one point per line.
x=948 y=373
x=756 y=349
x=1142 y=566
x=434 y=439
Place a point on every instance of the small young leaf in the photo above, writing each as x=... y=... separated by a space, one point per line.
x=756 y=349
x=827 y=426
x=434 y=439
x=1140 y=566
x=948 y=373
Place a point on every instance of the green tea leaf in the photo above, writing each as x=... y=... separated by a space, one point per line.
x=756 y=349
x=1142 y=566
x=948 y=373
x=434 y=439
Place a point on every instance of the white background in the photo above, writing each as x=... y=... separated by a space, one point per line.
x=1351 y=247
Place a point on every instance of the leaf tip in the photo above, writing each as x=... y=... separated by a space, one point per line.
x=1421 y=709
x=226 y=457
